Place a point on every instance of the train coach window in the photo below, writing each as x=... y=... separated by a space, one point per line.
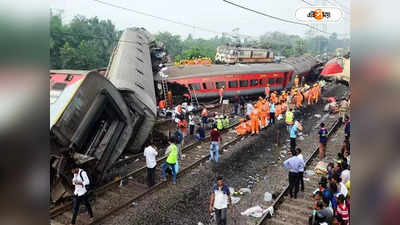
x=195 y=86
x=253 y=83
x=261 y=82
x=244 y=83
x=220 y=84
x=232 y=84
x=69 y=77
x=271 y=80
x=279 y=80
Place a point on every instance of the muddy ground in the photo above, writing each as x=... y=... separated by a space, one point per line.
x=254 y=162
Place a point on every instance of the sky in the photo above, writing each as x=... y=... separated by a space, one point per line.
x=214 y=15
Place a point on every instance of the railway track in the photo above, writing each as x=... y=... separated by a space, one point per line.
x=121 y=192
x=296 y=211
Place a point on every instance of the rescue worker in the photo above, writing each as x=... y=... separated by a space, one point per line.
x=315 y=93
x=343 y=109
x=299 y=99
x=242 y=128
x=274 y=97
x=296 y=81
x=289 y=117
x=225 y=122
x=254 y=121
x=220 y=125
x=162 y=104
x=259 y=102
x=172 y=159
x=221 y=94
x=282 y=97
x=170 y=98
x=266 y=91
x=307 y=96
x=204 y=117
x=265 y=113
x=262 y=114
x=293 y=135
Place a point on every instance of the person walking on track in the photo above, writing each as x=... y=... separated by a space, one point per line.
x=80 y=182
x=323 y=139
x=215 y=138
x=220 y=200
x=301 y=170
x=294 y=164
x=150 y=152
x=172 y=159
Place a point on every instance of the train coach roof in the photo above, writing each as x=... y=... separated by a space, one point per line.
x=175 y=72
x=302 y=63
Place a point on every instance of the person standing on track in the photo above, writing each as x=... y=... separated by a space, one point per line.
x=150 y=152
x=221 y=94
x=323 y=139
x=293 y=136
x=215 y=138
x=172 y=159
x=204 y=117
x=272 y=112
x=301 y=170
x=80 y=181
x=219 y=201
x=294 y=164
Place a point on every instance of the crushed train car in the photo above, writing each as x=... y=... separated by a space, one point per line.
x=95 y=116
x=90 y=125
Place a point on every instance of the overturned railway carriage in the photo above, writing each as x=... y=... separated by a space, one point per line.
x=130 y=70
x=90 y=125
x=240 y=79
x=97 y=115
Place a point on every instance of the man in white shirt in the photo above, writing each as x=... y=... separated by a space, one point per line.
x=301 y=170
x=80 y=181
x=345 y=175
x=294 y=164
x=220 y=198
x=150 y=152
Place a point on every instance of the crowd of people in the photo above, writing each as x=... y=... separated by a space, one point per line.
x=332 y=198
x=276 y=107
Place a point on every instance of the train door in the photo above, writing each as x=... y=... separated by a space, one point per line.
x=285 y=79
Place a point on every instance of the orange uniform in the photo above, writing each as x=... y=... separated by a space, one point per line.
x=299 y=99
x=248 y=126
x=263 y=116
x=170 y=98
x=254 y=120
x=162 y=104
x=274 y=99
x=242 y=128
x=259 y=104
x=310 y=96
x=296 y=81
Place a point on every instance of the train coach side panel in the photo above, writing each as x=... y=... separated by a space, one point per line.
x=131 y=72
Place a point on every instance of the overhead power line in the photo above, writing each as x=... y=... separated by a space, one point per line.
x=276 y=18
x=168 y=20
x=306 y=2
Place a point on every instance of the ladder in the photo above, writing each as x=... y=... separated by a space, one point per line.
x=164 y=87
x=193 y=97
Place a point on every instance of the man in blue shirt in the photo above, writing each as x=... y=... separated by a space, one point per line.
x=294 y=164
x=272 y=112
x=323 y=139
x=293 y=136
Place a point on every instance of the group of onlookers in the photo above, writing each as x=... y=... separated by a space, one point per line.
x=332 y=198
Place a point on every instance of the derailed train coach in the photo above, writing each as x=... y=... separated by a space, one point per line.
x=90 y=125
x=241 y=79
x=130 y=70
x=95 y=116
